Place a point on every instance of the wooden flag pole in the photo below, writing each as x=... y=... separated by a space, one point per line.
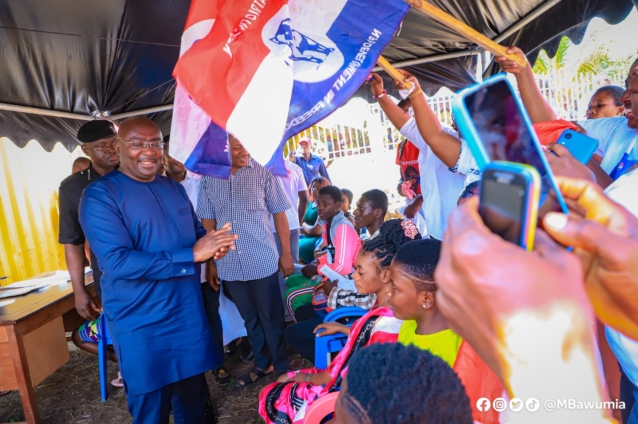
x=392 y=71
x=464 y=30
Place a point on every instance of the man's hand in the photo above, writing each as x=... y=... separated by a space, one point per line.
x=86 y=306
x=408 y=77
x=309 y=271
x=211 y=275
x=605 y=237
x=564 y=164
x=214 y=244
x=328 y=286
x=510 y=66
x=376 y=84
x=413 y=208
x=286 y=265
x=484 y=281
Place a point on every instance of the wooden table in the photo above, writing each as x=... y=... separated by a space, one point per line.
x=33 y=342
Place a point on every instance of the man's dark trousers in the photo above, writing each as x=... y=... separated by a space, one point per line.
x=186 y=398
x=211 y=305
x=262 y=309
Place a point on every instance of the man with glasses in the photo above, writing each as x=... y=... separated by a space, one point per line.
x=98 y=143
x=150 y=244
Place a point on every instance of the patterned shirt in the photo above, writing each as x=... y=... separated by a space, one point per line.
x=246 y=199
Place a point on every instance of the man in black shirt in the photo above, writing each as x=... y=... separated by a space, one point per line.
x=98 y=143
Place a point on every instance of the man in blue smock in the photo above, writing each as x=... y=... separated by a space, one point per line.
x=149 y=244
x=311 y=165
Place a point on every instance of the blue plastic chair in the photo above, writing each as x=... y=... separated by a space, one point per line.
x=326 y=345
x=102 y=345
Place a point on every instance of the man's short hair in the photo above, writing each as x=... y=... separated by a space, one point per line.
x=332 y=191
x=377 y=199
x=396 y=384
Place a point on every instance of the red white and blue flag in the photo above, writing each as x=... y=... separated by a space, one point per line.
x=264 y=70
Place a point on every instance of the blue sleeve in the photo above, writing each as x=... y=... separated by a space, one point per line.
x=323 y=171
x=105 y=229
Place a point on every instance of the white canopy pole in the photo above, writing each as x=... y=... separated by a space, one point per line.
x=78 y=116
x=45 y=112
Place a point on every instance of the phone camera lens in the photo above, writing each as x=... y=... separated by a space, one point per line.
x=568 y=135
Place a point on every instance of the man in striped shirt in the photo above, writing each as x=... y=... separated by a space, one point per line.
x=247 y=200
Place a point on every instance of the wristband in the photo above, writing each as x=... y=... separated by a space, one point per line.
x=383 y=93
x=416 y=93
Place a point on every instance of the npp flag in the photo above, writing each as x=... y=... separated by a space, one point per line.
x=196 y=141
x=268 y=69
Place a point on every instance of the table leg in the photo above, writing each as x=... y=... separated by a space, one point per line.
x=23 y=375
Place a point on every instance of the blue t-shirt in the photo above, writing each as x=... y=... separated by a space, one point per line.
x=618 y=143
x=312 y=168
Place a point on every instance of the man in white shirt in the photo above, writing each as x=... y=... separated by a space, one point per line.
x=294 y=186
x=440 y=186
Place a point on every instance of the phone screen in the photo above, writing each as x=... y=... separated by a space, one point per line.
x=502 y=129
x=501 y=207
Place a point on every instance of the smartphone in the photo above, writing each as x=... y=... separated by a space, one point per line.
x=509 y=200
x=579 y=145
x=496 y=126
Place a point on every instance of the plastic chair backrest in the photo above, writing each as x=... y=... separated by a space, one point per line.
x=348 y=311
x=320 y=408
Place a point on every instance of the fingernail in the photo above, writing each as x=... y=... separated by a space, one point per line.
x=557 y=221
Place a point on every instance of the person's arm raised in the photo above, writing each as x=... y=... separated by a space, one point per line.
x=444 y=145
x=537 y=107
x=395 y=114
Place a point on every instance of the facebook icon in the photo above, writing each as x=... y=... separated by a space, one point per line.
x=483 y=404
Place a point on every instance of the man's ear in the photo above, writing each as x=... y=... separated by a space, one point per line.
x=84 y=149
x=378 y=213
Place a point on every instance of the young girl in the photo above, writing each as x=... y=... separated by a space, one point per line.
x=411 y=296
x=286 y=401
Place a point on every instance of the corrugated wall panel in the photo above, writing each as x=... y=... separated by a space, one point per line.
x=29 y=182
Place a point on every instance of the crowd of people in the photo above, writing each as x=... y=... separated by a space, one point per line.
x=453 y=318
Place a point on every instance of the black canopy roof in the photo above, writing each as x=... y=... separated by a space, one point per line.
x=84 y=56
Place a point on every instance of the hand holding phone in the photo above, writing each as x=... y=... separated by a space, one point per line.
x=579 y=145
x=497 y=128
x=509 y=201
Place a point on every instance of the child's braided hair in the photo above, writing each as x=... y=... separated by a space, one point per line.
x=392 y=235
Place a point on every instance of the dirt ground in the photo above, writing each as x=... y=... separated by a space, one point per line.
x=71 y=395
